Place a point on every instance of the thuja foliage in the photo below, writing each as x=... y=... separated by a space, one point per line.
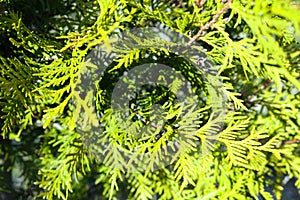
x=254 y=47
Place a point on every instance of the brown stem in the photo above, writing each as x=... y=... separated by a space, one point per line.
x=210 y=23
x=292 y=142
x=200 y=3
x=288 y=142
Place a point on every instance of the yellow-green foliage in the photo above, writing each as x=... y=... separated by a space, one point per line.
x=254 y=45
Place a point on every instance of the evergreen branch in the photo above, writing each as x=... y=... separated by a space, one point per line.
x=141 y=187
x=16 y=95
x=64 y=170
x=238 y=103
